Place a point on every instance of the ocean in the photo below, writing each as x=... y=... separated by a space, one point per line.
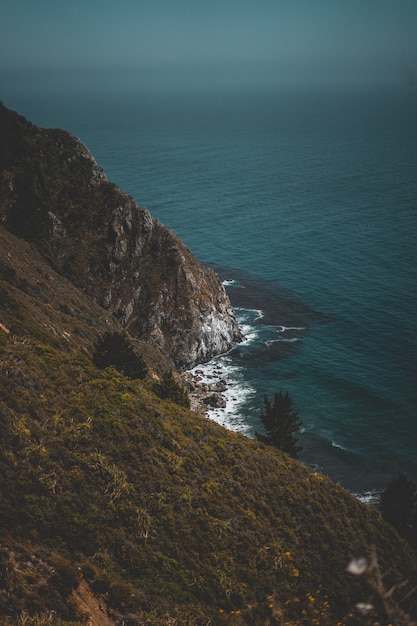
x=305 y=203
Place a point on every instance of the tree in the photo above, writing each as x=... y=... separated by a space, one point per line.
x=169 y=389
x=399 y=507
x=280 y=421
x=115 y=349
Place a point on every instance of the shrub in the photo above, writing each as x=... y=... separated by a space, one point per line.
x=169 y=389
x=121 y=595
x=281 y=422
x=115 y=349
x=66 y=577
x=399 y=507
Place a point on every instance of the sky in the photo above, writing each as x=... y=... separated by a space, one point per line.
x=139 y=44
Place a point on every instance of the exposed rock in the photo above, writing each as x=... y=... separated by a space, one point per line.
x=54 y=194
x=89 y=605
x=204 y=396
x=215 y=400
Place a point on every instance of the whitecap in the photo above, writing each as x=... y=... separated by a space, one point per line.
x=249 y=334
x=269 y=342
x=338 y=446
x=371 y=497
x=244 y=313
x=283 y=329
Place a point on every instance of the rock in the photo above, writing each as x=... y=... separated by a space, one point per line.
x=109 y=246
x=203 y=396
x=215 y=400
x=220 y=386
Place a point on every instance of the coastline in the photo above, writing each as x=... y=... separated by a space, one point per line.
x=211 y=395
x=218 y=390
x=205 y=396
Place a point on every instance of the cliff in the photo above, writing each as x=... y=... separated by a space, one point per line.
x=53 y=194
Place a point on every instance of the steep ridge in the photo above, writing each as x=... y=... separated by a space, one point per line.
x=54 y=194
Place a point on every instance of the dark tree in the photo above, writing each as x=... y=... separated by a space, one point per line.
x=399 y=507
x=281 y=421
x=169 y=389
x=115 y=349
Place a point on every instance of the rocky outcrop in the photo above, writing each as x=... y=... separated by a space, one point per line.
x=54 y=194
x=204 y=396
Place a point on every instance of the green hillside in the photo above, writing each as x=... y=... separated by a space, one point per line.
x=119 y=508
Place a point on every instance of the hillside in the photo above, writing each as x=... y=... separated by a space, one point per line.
x=120 y=508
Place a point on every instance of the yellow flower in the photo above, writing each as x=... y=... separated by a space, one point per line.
x=295 y=572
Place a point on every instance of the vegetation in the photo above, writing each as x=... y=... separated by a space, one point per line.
x=128 y=507
x=399 y=507
x=169 y=389
x=115 y=349
x=281 y=421
x=385 y=607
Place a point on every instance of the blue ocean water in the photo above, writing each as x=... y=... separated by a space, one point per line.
x=306 y=205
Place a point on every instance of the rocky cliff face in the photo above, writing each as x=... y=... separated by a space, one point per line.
x=54 y=194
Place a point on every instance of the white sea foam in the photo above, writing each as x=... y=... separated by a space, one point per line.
x=249 y=333
x=238 y=391
x=246 y=318
x=269 y=342
x=228 y=283
x=243 y=314
x=236 y=394
x=371 y=497
x=283 y=329
x=337 y=445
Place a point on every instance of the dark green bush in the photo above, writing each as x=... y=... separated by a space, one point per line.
x=65 y=577
x=121 y=595
x=280 y=421
x=169 y=389
x=115 y=349
x=98 y=580
x=399 y=507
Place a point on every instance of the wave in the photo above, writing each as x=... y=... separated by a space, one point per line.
x=371 y=497
x=270 y=342
x=324 y=443
x=249 y=333
x=242 y=311
x=284 y=329
x=246 y=318
x=338 y=446
x=236 y=394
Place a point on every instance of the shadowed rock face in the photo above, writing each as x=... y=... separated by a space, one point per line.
x=54 y=194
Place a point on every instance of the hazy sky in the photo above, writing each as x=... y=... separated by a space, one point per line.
x=207 y=42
